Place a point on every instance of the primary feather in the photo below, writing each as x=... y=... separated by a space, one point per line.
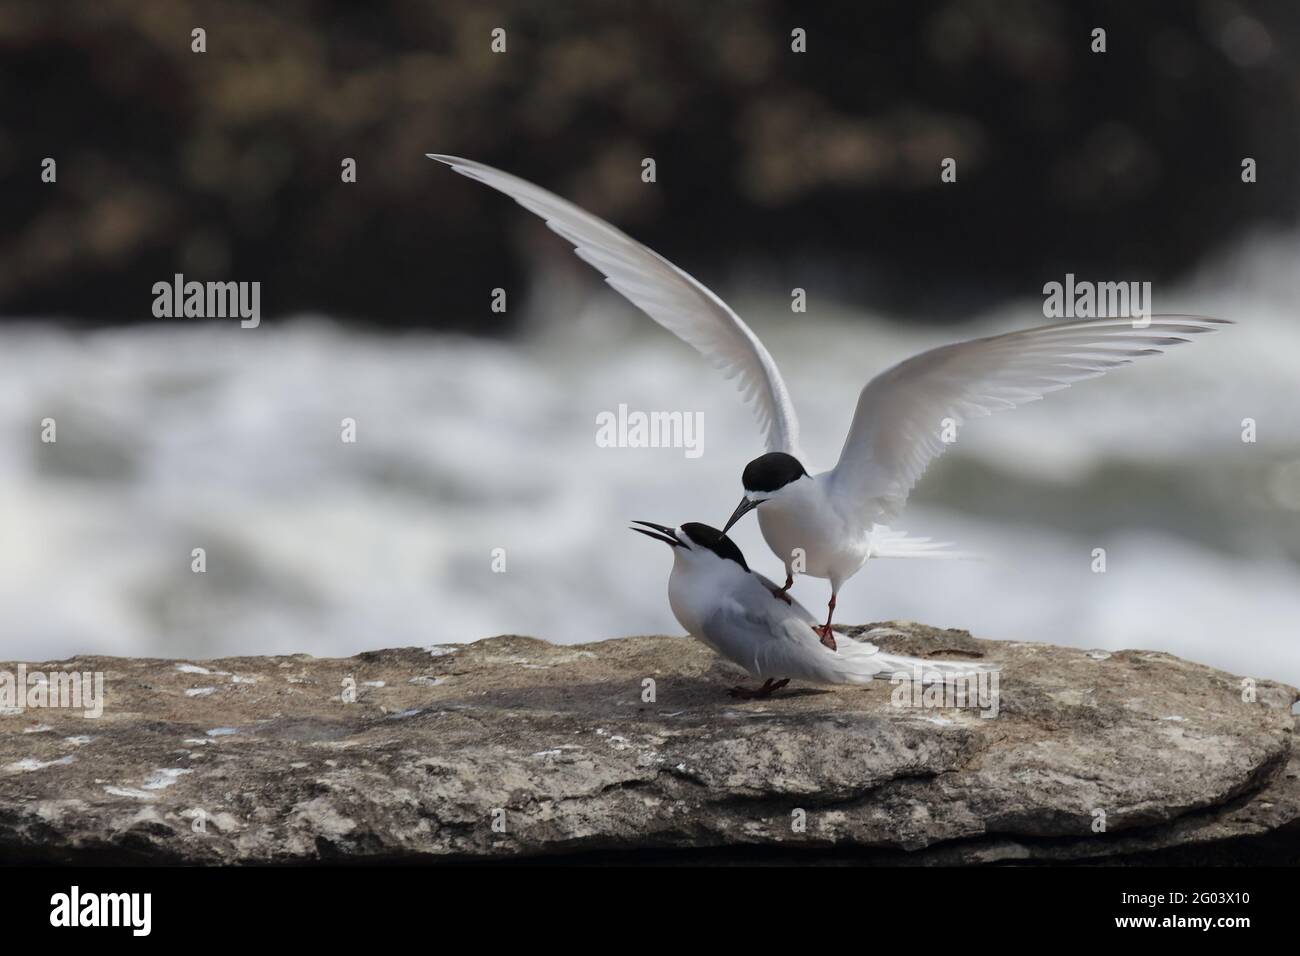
x=664 y=292
x=900 y=413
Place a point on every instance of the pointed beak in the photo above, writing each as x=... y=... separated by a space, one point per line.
x=658 y=532
x=746 y=504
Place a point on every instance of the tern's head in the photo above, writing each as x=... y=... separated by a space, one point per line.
x=765 y=478
x=695 y=542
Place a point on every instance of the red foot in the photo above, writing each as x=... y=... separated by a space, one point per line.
x=780 y=593
x=769 y=685
x=827 y=638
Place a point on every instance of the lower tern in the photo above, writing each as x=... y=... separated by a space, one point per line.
x=829 y=524
x=723 y=604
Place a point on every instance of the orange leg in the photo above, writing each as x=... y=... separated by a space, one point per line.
x=781 y=592
x=824 y=631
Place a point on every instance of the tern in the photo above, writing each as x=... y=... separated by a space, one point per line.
x=829 y=524
x=733 y=610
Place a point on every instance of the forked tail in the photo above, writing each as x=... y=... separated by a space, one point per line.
x=859 y=662
x=930 y=671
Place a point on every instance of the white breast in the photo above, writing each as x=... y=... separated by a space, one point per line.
x=800 y=519
x=698 y=583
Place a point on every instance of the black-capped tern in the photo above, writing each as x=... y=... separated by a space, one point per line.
x=745 y=618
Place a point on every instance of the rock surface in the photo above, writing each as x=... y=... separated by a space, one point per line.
x=514 y=748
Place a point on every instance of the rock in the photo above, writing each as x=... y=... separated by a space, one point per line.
x=512 y=747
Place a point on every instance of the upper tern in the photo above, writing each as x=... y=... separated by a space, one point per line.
x=723 y=604
x=828 y=524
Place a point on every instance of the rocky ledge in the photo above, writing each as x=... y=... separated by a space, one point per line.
x=512 y=748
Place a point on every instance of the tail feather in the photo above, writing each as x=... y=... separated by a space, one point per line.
x=883 y=542
x=859 y=662
x=949 y=672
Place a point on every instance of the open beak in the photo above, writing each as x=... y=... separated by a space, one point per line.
x=658 y=532
x=746 y=504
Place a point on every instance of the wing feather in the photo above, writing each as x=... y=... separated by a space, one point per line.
x=671 y=297
x=899 y=417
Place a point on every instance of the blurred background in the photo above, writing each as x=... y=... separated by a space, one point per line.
x=476 y=429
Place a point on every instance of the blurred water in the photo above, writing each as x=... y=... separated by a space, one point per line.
x=205 y=435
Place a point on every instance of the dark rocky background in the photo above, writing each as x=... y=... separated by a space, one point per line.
x=800 y=169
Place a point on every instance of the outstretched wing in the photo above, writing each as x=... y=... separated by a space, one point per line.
x=899 y=419
x=664 y=292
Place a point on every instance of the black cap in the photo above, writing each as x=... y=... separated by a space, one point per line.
x=769 y=472
x=715 y=541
